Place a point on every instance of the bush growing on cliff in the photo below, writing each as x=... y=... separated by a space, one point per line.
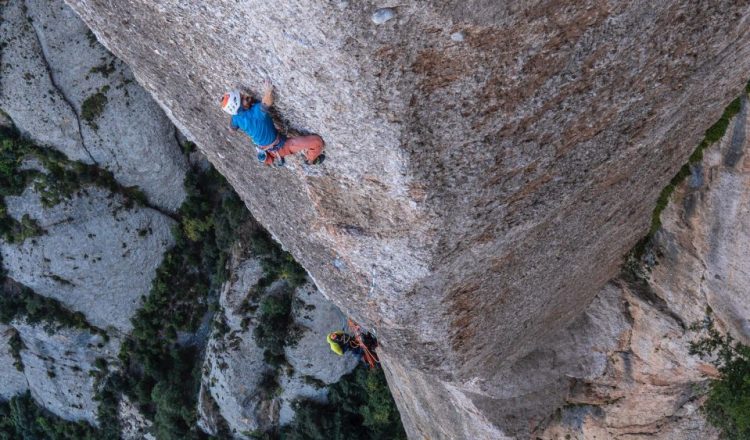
x=61 y=180
x=728 y=404
x=360 y=406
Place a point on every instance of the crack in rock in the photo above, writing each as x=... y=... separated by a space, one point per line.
x=59 y=89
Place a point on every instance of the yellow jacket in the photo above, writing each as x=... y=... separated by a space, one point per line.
x=337 y=345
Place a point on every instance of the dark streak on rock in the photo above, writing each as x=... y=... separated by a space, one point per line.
x=733 y=154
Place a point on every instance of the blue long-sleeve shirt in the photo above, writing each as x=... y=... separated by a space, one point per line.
x=256 y=122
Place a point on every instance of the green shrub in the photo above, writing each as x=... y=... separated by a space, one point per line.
x=272 y=330
x=16 y=345
x=93 y=107
x=728 y=403
x=108 y=412
x=21 y=302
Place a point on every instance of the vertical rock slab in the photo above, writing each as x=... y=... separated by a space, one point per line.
x=234 y=369
x=97 y=256
x=238 y=385
x=480 y=188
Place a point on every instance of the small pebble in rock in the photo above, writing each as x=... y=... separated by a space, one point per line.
x=457 y=36
x=338 y=263
x=382 y=15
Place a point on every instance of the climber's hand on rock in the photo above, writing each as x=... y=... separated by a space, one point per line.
x=267 y=93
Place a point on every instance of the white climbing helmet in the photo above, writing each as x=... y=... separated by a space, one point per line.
x=230 y=103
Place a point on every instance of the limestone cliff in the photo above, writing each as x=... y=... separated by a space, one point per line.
x=489 y=163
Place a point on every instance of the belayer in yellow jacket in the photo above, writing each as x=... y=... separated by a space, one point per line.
x=341 y=342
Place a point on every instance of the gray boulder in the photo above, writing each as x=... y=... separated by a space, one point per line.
x=234 y=367
x=97 y=256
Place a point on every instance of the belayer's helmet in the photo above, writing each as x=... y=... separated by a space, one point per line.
x=230 y=103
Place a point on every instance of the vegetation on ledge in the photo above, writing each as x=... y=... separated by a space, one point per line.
x=59 y=181
x=711 y=136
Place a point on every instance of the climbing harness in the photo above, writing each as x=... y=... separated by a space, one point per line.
x=370 y=357
x=276 y=145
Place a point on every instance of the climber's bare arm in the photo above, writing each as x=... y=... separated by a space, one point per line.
x=267 y=94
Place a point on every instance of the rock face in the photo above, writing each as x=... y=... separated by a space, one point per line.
x=234 y=365
x=64 y=90
x=623 y=368
x=134 y=425
x=705 y=241
x=56 y=366
x=478 y=193
x=95 y=253
x=97 y=256
x=235 y=384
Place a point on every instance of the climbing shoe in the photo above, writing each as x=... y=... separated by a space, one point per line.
x=318 y=160
x=278 y=162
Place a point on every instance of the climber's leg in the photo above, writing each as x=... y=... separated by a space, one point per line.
x=311 y=146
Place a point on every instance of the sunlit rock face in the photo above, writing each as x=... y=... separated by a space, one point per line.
x=488 y=163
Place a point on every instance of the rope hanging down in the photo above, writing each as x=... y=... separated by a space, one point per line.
x=369 y=356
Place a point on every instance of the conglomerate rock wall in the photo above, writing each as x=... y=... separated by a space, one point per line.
x=489 y=163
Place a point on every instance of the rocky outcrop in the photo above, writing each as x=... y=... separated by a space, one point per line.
x=488 y=163
x=64 y=90
x=705 y=240
x=97 y=256
x=238 y=387
x=58 y=363
x=234 y=366
x=134 y=425
x=96 y=251
x=314 y=365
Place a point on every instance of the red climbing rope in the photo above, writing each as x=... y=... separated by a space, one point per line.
x=369 y=357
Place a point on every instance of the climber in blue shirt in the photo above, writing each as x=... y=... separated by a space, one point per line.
x=254 y=119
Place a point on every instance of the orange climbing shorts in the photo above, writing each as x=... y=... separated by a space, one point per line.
x=311 y=146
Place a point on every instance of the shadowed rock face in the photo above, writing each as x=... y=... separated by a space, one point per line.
x=488 y=164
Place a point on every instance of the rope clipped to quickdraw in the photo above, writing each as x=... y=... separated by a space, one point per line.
x=369 y=357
